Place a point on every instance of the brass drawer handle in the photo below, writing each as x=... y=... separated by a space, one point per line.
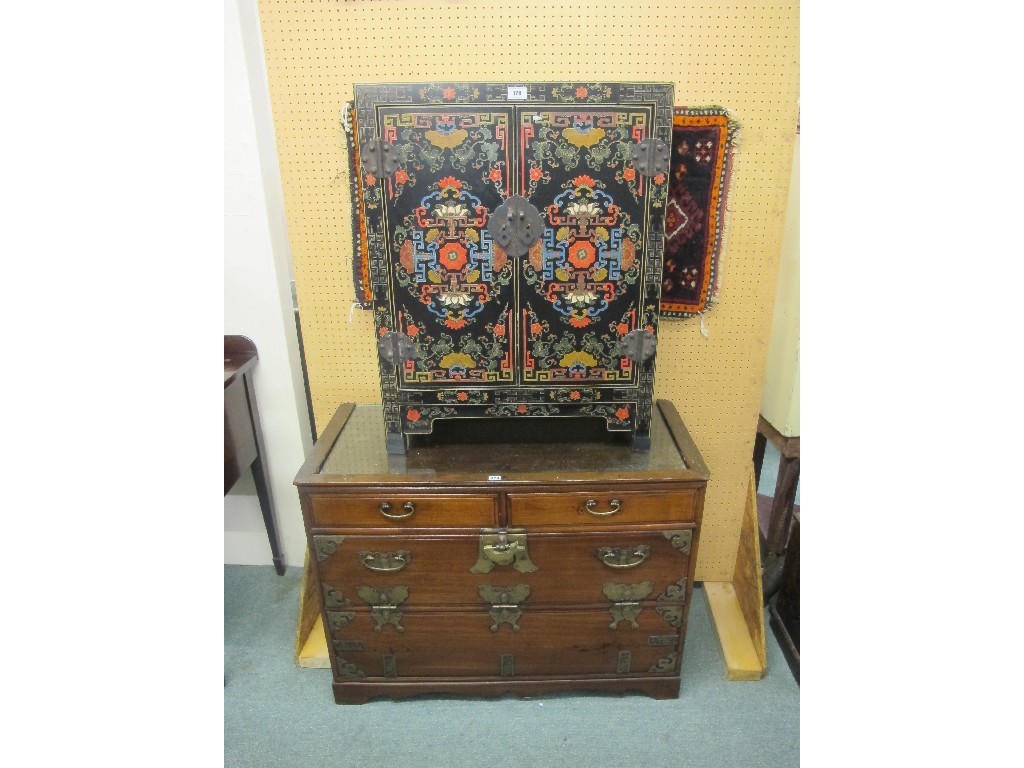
x=385 y=562
x=623 y=557
x=614 y=503
x=409 y=508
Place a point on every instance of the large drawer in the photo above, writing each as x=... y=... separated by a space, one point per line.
x=460 y=644
x=402 y=510
x=442 y=570
x=610 y=508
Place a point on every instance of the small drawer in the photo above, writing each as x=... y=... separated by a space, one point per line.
x=402 y=510
x=611 y=508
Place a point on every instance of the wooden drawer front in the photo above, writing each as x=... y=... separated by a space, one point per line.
x=461 y=644
x=435 y=569
x=426 y=510
x=610 y=508
x=573 y=568
x=557 y=568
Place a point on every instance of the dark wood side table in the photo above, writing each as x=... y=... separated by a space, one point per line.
x=784 y=609
x=506 y=556
x=780 y=521
x=243 y=437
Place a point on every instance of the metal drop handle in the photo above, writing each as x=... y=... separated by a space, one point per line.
x=385 y=562
x=624 y=557
x=409 y=508
x=615 y=504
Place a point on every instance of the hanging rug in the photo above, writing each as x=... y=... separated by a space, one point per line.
x=703 y=139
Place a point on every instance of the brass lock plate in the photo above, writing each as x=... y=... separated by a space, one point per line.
x=500 y=546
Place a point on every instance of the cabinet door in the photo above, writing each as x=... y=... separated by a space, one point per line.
x=582 y=286
x=452 y=291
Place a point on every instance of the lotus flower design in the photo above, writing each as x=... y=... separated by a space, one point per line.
x=583 y=208
x=451 y=211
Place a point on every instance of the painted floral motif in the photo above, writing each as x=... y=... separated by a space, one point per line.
x=420 y=418
x=614 y=415
x=521 y=409
x=582 y=395
x=587 y=253
x=581 y=92
x=465 y=141
x=449 y=93
x=566 y=139
x=535 y=177
x=473 y=396
x=482 y=357
x=447 y=261
x=552 y=356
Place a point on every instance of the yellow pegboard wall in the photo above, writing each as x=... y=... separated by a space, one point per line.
x=742 y=55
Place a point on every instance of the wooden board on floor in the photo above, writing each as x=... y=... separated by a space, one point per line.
x=741 y=661
x=314 y=652
x=737 y=607
x=310 y=638
x=747 y=578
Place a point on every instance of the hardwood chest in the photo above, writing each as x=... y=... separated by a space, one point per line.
x=488 y=562
x=515 y=237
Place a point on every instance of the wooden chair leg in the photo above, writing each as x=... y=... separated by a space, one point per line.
x=782 y=505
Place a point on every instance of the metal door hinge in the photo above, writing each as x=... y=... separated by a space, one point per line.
x=639 y=345
x=651 y=157
x=379 y=157
x=396 y=348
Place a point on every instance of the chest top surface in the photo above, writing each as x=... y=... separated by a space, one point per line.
x=351 y=450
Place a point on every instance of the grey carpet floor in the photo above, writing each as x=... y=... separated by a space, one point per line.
x=276 y=714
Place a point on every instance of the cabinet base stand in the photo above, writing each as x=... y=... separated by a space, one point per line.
x=395 y=444
x=360 y=693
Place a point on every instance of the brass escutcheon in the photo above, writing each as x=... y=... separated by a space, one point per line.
x=626 y=601
x=500 y=546
x=384 y=605
x=505 y=603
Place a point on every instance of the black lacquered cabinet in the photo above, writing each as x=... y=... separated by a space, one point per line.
x=515 y=238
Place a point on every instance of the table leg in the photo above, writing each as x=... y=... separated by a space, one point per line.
x=782 y=505
x=260 y=474
x=760 y=443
